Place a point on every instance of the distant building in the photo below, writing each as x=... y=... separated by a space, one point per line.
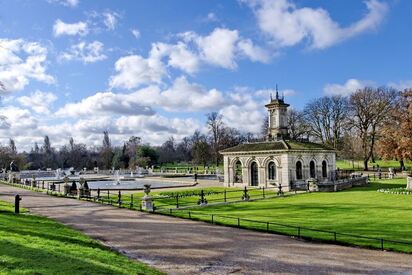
x=278 y=160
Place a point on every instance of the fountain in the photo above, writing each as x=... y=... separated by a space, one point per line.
x=117 y=177
x=58 y=173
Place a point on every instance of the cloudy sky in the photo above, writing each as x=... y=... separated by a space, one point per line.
x=154 y=68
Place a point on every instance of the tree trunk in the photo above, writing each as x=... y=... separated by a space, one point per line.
x=365 y=164
x=402 y=164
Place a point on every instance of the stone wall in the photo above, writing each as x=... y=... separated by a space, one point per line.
x=342 y=184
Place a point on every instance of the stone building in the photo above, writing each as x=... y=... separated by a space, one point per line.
x=279 y=160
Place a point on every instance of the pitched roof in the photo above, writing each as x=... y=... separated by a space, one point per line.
x=275 y=146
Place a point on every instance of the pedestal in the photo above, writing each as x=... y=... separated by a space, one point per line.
x=409 y=182
x=147 y=203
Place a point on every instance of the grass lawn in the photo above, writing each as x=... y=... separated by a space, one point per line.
x=358 y=164
x=36 y=245
x=361 y=211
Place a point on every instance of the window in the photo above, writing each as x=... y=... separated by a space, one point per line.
x=299 y=174
x=324 y=169
x=272 y=170
x=312 y=168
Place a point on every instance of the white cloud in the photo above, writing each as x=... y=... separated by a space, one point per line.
x=287 y=25
x=134 y=71
x=136 y=33
x=21 y=61
x=253 y=52
x=107 y=103
x=110 y=20
x=68 y=3
x=219 y=47
x=38 y=101
x=184 y=96
x=211 y=17
x=179 y=56
x=222 y=47
x=349 y=87
x=85 y=52
x=61 y=28
x=244 y=111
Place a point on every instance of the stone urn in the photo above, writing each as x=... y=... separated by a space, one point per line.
x=66 y=186
x=147 y=202
x=80 y=191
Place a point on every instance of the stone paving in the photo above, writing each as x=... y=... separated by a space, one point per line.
x=179 y=246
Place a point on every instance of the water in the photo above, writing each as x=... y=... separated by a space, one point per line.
x=135 y=184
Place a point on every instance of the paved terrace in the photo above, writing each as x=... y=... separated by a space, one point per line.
x=179 y=246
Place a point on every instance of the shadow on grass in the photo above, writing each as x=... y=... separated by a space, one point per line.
x=28 y=260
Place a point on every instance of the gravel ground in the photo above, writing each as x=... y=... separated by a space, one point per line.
x=179 y=246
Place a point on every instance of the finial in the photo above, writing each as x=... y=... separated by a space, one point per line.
x=277 y=92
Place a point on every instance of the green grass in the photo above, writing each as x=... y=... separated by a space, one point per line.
x=361 y=211
x=358 y=164
x=36 y=245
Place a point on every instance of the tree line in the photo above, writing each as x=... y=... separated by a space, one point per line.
x=370 y=123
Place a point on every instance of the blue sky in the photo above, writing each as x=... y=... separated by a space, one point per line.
x=155 y=68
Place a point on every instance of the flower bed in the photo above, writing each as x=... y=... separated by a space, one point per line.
x=397 y=191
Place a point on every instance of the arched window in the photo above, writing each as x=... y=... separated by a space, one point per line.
x=324 y=169
x=238 y=171
x=312 y=169
x=254 y=174
x=272 y=170
x=299 y=174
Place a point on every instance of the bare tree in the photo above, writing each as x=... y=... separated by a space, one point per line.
x=298 y=127
x=327 y=118
x=369 y=108
x=216 y=128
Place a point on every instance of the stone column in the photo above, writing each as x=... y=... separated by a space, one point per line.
x=409 y=182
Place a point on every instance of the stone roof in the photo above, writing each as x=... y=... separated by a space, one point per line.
x=276 y=146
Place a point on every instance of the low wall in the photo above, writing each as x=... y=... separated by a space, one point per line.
x=342 y=184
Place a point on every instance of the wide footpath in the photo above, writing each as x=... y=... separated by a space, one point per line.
x=179 y=246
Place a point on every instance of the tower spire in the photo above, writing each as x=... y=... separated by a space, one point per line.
x=277 y=92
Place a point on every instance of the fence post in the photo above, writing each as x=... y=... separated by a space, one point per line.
x=212 y=218
x=119 y=198
x=190 y=215
x=381 y=244
x=108 y=194
x=238 y=222
x=98 y=193
x=177 y=201
x=263 y=192
x=225 y=194
x=131 y=201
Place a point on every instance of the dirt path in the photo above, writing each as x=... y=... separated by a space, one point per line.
x=180 y=246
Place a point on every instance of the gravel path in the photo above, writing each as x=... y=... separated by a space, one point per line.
x=180 y=246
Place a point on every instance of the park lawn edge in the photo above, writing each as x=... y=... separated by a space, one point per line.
x=96 y=252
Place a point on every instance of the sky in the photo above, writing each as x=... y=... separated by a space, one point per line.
x=154 y=69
